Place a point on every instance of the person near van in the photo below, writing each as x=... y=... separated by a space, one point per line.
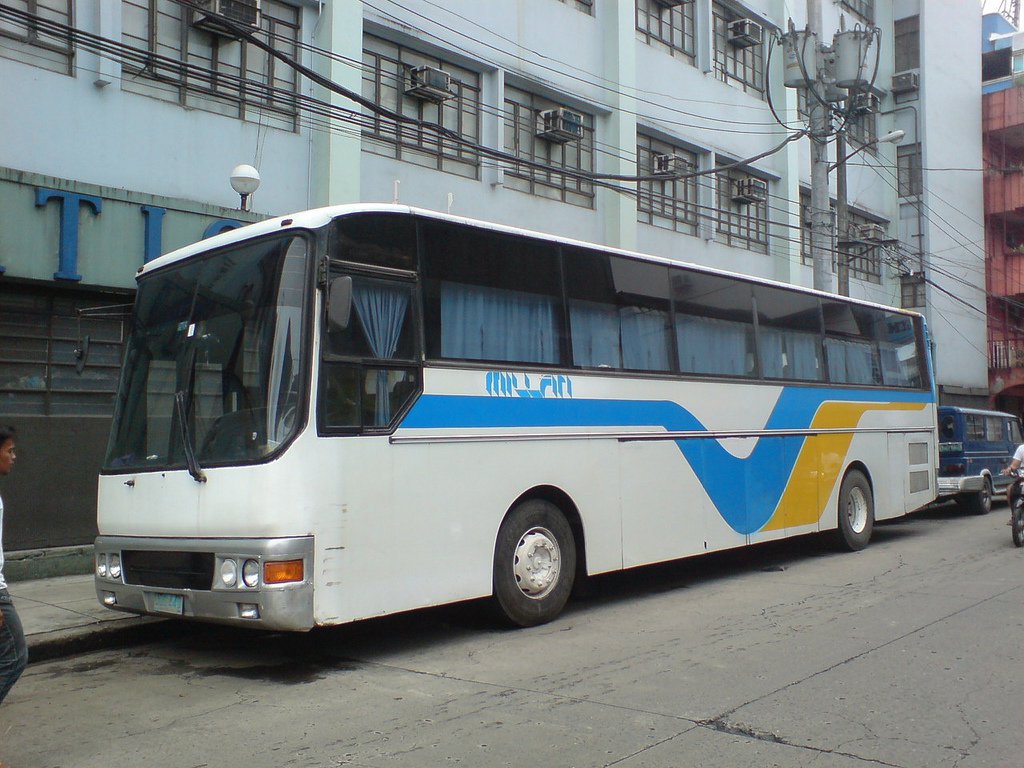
x=1015 y=462
x=13 y=649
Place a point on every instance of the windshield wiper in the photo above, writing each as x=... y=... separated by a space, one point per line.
x=186 y=439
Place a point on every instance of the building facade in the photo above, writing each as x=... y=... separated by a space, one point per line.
x=663 y=127
x=1003 y=123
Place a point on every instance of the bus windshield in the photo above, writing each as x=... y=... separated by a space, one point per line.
x=213 y=366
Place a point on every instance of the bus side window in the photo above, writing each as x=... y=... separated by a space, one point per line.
x=948 y=429
x=714 y=324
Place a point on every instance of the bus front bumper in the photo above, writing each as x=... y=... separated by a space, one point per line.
x=189 y=579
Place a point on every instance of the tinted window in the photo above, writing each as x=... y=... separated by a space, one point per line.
x=618 y=312
x=376 y=239
x=491 y=296
x=849 y=344
x=713 y=323
x=788 y=335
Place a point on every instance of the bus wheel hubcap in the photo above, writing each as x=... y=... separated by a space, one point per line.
x=857 y=510
x=537 y=563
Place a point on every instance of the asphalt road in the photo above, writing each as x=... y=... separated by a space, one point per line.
x=789 y=654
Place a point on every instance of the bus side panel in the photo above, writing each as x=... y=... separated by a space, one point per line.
x=666 y=513
x=430 y=540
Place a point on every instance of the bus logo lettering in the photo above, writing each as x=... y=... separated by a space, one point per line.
x=503 y=384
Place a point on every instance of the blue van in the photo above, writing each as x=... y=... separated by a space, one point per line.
x=974 y=447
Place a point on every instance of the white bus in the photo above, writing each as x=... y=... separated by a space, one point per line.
x=360 y=410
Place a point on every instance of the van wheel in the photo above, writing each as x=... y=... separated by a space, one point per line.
x=534 y=563
x=980 y=503
x=856 y=513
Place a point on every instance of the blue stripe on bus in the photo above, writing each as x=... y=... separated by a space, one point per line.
x=765 y=471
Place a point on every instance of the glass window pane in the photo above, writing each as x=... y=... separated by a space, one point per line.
x=714 y=324
x=491 y=296
x=618 y=312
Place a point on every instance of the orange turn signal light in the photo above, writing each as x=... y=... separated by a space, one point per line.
x=279 y=573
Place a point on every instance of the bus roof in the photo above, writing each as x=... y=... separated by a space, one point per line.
x=319 y=217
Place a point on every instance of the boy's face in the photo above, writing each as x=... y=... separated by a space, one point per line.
x=7 y=457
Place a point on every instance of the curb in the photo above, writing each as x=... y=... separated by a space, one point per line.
x=60 y=643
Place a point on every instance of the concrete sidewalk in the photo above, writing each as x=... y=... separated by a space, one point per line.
x=62 y=616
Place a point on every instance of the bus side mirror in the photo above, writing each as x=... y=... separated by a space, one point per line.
x=339 y=303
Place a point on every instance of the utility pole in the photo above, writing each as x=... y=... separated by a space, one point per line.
x=820 y=213
x=842 y=257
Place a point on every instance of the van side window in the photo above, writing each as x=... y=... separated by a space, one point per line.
x=975 y=427
x=1015 y=437
x=948 y=430
x=994 y=430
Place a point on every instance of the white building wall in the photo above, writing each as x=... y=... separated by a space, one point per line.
x=70 y=127
x=952 y=207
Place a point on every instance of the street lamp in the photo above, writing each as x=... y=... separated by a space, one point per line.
x=245 y=180
x=842 y=262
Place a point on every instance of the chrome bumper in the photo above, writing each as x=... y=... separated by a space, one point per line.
x=286 y=606
x=950 y=485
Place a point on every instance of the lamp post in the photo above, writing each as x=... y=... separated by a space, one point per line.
x=245 y=180
x=842 y=211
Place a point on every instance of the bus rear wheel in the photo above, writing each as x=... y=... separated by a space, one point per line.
x=534 y=563
x=856 y=512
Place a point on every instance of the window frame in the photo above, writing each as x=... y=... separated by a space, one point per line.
x=670 y=203
x=672 y=29
x=741 y=67
x=463 y=113
x=178 y=69
x=521 y=112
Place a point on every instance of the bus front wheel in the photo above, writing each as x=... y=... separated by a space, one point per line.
x=856 y=511
x=534 y=563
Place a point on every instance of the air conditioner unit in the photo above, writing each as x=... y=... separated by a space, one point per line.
x=749 y=190
x=744 y=33
x=669 y=165
x=860 y=104
x=905 y=82
x=871 y=232
x=429 y=84
x=244 y=13
x=560 y=125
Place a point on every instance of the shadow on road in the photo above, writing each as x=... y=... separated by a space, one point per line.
x=205 y=650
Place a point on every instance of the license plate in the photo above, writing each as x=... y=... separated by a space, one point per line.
x=168 y=603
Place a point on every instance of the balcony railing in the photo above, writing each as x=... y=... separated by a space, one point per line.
x=1006 y=354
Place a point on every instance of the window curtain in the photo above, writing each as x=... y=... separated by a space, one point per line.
x=712 y=346
x=644 y=339
x=480 y=323
x=381 y=310
x=595 y=335
x=850 y=362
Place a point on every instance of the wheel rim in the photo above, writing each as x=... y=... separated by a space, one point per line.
x=857 y=510
x=537 y=563
x=986 y=496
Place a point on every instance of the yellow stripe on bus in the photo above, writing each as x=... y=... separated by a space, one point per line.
x=821 y=459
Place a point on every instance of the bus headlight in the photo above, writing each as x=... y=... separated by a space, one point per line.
x=229 y=573
x=251 y=573
x=101 y=566
x=115 y=567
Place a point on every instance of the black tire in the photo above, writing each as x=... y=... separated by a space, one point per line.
x=1017 y=522
x=980 y=503
x=856 y=512
x=534 y=564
